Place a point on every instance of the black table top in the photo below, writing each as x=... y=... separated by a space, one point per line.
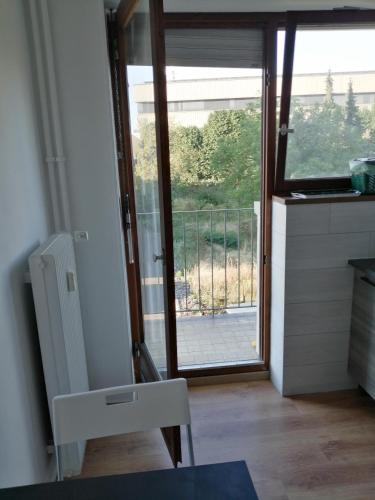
x=227 y=481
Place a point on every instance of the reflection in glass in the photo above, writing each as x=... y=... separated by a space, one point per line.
x=332 y=102
x=145 y=171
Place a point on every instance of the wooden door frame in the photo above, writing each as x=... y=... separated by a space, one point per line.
x=269 y=23
x=143 y=362
x=125 y=156
x=164 y=173
x=126 y=183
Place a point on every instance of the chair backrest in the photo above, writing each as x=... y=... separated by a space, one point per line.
x=120 y=410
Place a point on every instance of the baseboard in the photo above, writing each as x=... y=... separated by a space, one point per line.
x=229 y=378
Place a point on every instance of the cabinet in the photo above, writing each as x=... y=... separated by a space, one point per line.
x=362 y=337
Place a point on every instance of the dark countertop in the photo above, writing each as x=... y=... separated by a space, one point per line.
x=289 y=200
x=363 y=264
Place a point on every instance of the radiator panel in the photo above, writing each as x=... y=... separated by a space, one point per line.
x=57 y=305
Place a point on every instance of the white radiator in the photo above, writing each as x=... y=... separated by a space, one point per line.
x=56 y=297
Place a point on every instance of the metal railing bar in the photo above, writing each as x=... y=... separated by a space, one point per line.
x=213 y=210
x=216 y=308
x=225 y=259
x=229 y=234
x=212 y=265
x=185 y=266
x=203 y=210
x=252 y=257
x=199 y=263
x=238 y=261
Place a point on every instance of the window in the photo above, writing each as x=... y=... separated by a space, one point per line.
x=327 y=115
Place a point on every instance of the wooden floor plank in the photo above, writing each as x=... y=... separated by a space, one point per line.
x=319 y=446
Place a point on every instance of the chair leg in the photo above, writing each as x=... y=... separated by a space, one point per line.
x=190 y=444
x=60 y=472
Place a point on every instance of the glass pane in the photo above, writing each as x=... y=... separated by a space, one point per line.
x=332 y=102
x=214 y=115
x=143 y=137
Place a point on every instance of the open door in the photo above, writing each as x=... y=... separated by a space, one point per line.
x=137 y=41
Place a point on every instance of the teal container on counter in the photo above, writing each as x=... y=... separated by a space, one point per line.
x=363 y=174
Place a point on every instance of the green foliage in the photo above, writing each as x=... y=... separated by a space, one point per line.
x=218 y=165
x=352 y=118
x=185 y=154
x=328 y=100
x=328 y=136
x=235 y=162
x=230 y=240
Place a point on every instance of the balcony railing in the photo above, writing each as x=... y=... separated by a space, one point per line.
x=215 y=259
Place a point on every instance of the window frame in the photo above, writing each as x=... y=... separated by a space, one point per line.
x=318 y=19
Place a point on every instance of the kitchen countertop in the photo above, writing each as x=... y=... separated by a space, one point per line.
x=290 y=200
x=363 y=264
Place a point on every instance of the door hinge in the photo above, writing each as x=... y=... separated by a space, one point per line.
x=136 y=349
x=268 y=79
x=266 y=260
x=120 y=155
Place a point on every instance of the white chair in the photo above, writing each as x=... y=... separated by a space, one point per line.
x=120 y=410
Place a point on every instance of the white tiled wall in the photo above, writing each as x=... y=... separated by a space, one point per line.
x=312 y=287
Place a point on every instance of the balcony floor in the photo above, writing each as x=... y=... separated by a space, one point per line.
x=223 y=339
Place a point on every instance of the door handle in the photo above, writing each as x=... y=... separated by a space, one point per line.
x=155 y=257
x=284 y=130
x=128 y=228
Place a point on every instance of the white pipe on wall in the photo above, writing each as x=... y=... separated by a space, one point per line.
x=50 y=114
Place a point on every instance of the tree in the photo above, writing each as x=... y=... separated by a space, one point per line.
x=328 y=136
x=352 y=117
x=315 y=147
x=328 y=101
x=236 y=161
x=367 y=118
x=218 y=165
x=185 y=153
x=220 y=124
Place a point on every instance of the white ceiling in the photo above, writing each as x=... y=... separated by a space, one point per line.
x=253 y=5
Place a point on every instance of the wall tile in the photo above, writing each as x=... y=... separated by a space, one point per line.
x=316 y=378
x=352 y=217
x=324 y=251
x=313 y=285
x=317 y=317
x=316 y=348
x=308 y=219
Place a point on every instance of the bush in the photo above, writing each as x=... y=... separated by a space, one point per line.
x=218 y=238
x=248 y=285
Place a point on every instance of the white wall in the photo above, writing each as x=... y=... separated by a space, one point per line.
x=24 y=223
x=79 y=44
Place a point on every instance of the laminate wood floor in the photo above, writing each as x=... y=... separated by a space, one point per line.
x=318 y=446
